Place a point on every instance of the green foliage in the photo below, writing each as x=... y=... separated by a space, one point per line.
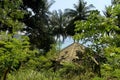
x=13 y=51
x=75 y=71
x=103 y=34
x=10 y=15
x=33 y=75
x=14 y=48
x=97 y=78
x=38 y=24
x=42 y=62
x=17 y=51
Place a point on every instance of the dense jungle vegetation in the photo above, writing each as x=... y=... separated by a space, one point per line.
x=30 y=36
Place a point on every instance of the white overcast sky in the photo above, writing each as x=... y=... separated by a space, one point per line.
x=63 y=4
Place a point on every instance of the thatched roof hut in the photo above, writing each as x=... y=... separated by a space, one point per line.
x=75 y=51
x=83 y=56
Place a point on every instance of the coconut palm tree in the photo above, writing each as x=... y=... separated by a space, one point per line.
x=58 y=22
x=80 y=12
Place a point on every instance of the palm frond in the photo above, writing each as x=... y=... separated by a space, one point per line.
x=70 y=12
x=58 y=21
x=108 y=11
x=48 y=4
x=80 y=12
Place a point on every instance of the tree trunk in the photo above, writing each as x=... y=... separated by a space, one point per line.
x=5 y=73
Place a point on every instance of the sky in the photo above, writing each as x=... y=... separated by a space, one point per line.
x=63 y=4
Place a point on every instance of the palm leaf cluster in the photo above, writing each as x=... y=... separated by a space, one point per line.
x=80 y=12
x=63 y=22
x=58 y=21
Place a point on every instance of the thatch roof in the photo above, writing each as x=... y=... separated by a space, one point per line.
x=69 y=53
x=72 y=52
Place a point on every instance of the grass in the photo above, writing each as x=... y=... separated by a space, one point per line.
x=29 y=74
x=33 y=75
x=46 y=75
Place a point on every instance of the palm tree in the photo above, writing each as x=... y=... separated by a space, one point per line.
x=80 y=12
x=37 y=24
x=108 y=11
x=58 y=22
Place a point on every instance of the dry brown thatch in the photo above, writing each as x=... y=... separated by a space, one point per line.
x=73 y=52
x=70 y=52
